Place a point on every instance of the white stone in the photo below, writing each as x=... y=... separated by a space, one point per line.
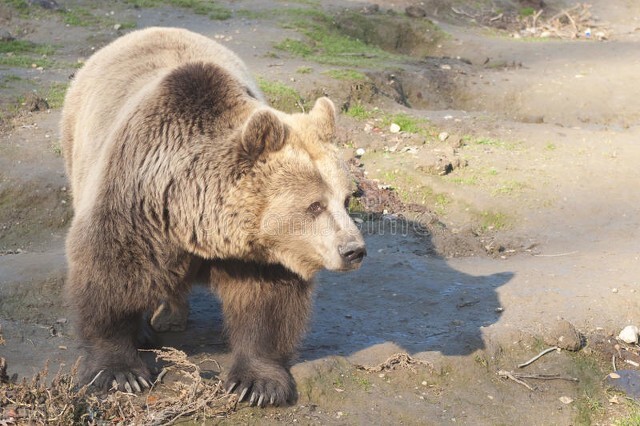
x=394 y=128
x=629 y=334
x=360 y=152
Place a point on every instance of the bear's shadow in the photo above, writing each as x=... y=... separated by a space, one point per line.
x=403 y=294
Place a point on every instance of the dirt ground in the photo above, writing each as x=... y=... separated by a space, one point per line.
x=507 y=201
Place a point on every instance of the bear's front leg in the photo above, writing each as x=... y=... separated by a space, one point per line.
x=266 y=308
x=108 y=327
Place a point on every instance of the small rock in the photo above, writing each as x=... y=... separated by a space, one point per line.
x=443 y=136
x=415 y=11
x=614 y=290
x=629 y=334
x=360 y=152
x=368 y=128
x=394 y=128
x=564 y=335
x=117 y=27
x=566 y=400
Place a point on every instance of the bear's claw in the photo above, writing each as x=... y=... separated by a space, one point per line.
x=262 y=391
x=110 y=380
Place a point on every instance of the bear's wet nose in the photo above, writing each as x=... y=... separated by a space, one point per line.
x=353 y=252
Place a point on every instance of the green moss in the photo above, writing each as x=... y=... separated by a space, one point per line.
x=346 y=74
x=281 y=96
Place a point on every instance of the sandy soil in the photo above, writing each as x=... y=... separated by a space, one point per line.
x=538 y=220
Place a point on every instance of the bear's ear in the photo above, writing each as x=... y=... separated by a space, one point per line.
x=264 y=132
x=324 y=113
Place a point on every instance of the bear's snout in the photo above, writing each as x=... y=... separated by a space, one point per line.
x=352 y=253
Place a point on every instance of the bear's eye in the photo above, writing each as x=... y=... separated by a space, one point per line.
x=347 y=202
x=316 y=208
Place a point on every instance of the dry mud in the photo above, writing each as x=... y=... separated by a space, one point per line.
x=526 y=213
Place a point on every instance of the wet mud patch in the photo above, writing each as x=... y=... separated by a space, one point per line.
x=30 y=211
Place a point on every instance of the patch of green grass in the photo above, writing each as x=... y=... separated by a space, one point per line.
x=323 y=41
x=56 y=148
x=24 y=61
x=550 y=147
x=21 y=6
x=490 y=142
x=304 y=70
x=589 y=404
x=632 y=419
x=346 y=74
x=295 y=47
x=17 y=47
x=442 y=201
x=409 y=124
x=462 y=180
x=509 y=187
x=80 y=17
x=281 y=96
x=209 y=8
x=527 y=11
x=55 y=94
x=493 y=221
x=359 y=112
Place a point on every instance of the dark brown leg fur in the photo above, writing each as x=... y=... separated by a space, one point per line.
x=266 y=308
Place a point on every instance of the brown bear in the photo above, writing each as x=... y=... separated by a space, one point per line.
x=177 y=163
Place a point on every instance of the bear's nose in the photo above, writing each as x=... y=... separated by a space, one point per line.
x=353 y=252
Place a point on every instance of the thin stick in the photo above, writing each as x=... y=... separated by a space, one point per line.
x=555 y=255
x=545 y=377
x=613 y=361
x=535 y=358
x=508 y=375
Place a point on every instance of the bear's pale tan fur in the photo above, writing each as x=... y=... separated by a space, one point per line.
x=174 y=158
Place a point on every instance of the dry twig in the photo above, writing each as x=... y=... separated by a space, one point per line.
x=535 y=358
x=399 y=360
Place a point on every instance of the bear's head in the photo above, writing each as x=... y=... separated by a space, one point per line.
x=301 y=188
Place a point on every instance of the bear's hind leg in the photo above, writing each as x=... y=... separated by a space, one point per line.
x=266 y=310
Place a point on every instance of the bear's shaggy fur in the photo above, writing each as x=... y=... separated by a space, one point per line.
x=174 y=158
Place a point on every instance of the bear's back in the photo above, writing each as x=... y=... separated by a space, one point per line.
x=114 y=80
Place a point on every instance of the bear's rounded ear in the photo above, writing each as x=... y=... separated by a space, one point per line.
x=324 y=113
x=264 y=132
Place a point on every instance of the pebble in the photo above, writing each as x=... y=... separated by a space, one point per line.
x=566 y=400
x=394 y=128
x=629 y=334
x=360 y=152
x=443 y=136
